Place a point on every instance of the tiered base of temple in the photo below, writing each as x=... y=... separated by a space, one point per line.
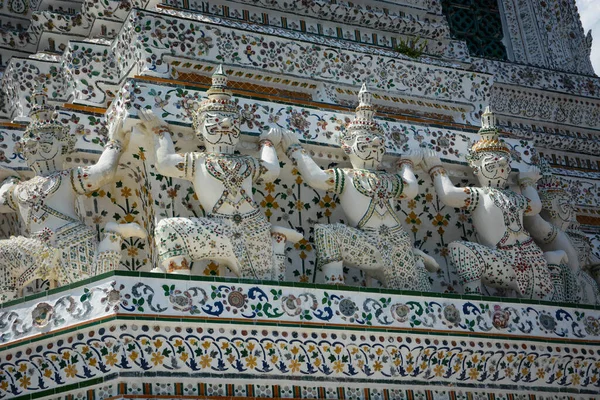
x=140 y=335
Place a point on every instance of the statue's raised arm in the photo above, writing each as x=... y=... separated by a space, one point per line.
x=234 y=232
x=90 y=178
x=373 y=240
x=168 y=161
x=506 y=256
x=7 y=187
x=57 y=245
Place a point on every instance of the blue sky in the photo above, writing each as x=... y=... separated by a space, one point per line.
x=589 y=10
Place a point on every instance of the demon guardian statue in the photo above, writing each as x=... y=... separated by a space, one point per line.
x=507 y=256
x=57 y=245
x=374 y=241
x=235 y=232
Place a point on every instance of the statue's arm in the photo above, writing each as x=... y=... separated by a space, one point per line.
x=449 y=194
x=528 y=182
x=87 y=179
x=269 y=162
x=540 y=229
x=7 y=200
x=406 y=165
x=168 y=161
x=329 y=180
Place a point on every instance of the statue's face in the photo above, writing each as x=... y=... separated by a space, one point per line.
x=221 y=129
x=367 y=150
x=560 y=211
x=41 y=149
x=493 y=169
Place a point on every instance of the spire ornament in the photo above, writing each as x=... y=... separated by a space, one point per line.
x=44 y=126
x=550 y=187
x=363 y=121
x=490 y=141
x=219 y=98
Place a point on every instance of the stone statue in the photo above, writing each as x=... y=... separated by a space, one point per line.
x=234 y=232
x=550 y=230
x=589 y=262
x=374 y=240
x=506 y=256
x=57 y=245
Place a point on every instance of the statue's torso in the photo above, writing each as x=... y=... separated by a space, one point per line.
x=223 y=183
x=46 y=201
x=369 y=198
x=499 y=217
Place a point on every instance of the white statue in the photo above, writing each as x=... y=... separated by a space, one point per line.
x=374 y=241
x=506 y=256
x=551 y=231
x=58 y=246
x=235 y=232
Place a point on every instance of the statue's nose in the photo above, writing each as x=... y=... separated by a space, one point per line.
x=377 y=141
x=226 y=123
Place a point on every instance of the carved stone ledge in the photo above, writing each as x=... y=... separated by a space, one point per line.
x=539 y=78
x=546 y=107
x=369 y=25
x=185 y=325
x=95 y=76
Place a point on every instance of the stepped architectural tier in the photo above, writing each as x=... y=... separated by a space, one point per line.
x=298 y=199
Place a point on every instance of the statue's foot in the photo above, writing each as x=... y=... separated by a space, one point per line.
x=126 y=230
x=473 y=287
x=334 y=273
x=7 y=294
x=335 y=279
x=181 y=272
x=179 y=265
x=157 y=270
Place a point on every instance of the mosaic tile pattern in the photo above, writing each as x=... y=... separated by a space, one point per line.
x=219 y=388
x=319 y=306
x=132 y=347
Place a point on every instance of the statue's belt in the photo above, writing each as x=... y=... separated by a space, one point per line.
x=69 y=234
x=237 y=217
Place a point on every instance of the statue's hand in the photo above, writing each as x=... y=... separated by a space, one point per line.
x=531 y=174
x=151 y=123
x=430 y=160
x=288 y=138
x=118 y=132
x=273 y=136
x=413 y=156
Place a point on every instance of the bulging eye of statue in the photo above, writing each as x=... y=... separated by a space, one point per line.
x=46 y=147
x=564 y=205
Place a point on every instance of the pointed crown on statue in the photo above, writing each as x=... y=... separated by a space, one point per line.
x=490 y=141
x=219 y=98
x=44 y=125
x=549 y=185
x=363 y=120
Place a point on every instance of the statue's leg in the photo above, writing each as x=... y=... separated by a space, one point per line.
x=108 y=255
x=559 y=273
x=469 y=266
x=253 y=246
x=590 y=294
x=19 y=257
x=338 y=245
x=401 y=269
x=179 y=241
x=532 y=271
x=278 y=242
x=8 y=282
x=329 y=254
x=279 y=237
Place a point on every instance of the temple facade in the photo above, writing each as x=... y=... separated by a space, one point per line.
x=316 y=199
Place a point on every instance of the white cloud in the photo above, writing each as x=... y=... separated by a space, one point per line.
x=589 y=10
